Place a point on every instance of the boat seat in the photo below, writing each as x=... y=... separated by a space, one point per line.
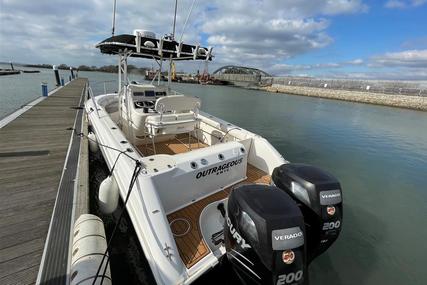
x=177 y=104
x=177 y=114
x=169 y=124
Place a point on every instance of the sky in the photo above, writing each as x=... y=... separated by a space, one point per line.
x=359 y=39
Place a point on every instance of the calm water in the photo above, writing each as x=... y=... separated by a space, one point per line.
x=20 y=89
x=378 y=153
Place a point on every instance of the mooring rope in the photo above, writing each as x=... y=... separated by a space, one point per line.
x=135 y=174
x=106 y=146
x=137 y=170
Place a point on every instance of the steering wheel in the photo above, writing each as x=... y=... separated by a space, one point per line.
x=139 y=104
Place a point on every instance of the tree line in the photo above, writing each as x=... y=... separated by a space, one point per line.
x=105 y=68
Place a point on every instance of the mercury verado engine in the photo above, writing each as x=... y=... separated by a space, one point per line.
x=264 y=236
x=319 y=197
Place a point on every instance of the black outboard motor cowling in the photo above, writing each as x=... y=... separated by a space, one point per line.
x=319 y=196
x=264 y=236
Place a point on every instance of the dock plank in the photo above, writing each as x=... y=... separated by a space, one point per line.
x=9 y=253
x=24 y=234
x=32 y=225
x=29 y=179
x=21 y=263
x=23 y=277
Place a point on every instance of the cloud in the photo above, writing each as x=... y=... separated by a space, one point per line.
x=395 y=4
x=249 y=32
x=418 y=2
x=405 y=74
x=260 y=39
x=355 y=62
x=267 y=32
x=408 y=58
x=390 y=74
x=334 y=7
x=43 y=32
x=67 y=31
x=262 y=34
x=281 y=69
x=400 y=4
x=403 y=65
x=415 y=43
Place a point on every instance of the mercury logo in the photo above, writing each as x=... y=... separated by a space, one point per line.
x=236 y=235
x=288 y=237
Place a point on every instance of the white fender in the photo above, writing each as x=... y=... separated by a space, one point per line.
x=108 y=196
x=89 y=245
x=93 y=142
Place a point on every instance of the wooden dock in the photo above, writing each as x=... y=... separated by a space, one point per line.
x=39 y=157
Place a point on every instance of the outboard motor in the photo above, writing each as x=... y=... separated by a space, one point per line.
x=265 y=236
x=319 y=197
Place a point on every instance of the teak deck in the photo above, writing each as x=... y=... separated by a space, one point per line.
x=173 y=146
x=191 y=246
x=33 y=150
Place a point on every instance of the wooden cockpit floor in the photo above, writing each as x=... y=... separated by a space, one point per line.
x=191 y=246
x=174 y=146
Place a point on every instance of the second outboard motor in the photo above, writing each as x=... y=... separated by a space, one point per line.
x=319 y=196
x=265 y=236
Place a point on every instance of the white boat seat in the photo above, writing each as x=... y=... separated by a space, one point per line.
x=168 y=124
x=177 y=104
x=177 y=114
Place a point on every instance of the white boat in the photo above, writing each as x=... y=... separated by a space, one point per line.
x=205 y=189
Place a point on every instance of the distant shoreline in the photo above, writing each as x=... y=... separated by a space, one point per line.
x=105 y=68
x=399 y=101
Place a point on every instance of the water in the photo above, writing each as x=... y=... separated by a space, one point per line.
x=20 y=89
x=378 y=153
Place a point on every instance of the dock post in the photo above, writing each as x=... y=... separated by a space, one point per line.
x=72 y=73
x=69 y=78
x=44 y=89
x=55 y=70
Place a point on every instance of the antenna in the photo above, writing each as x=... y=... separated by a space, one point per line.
x=174 y=20
x=186 y=21
x=114 y=18
x=173 y=38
